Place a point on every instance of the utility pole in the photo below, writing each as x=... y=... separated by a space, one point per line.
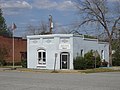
x=51 y=23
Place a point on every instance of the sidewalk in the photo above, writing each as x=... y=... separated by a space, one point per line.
x=3 y=69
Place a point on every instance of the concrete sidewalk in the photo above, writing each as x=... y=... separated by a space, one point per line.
x=3 y=69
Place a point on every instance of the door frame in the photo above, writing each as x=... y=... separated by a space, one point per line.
x=67 y=61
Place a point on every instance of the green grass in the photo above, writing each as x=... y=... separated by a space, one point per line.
x=97 y=70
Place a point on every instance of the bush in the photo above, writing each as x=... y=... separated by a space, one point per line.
x=24 y=63
x=104 y=63
x=87 y=62
x=2 y=63
x=3 y=54
x=11 y=63
x=79 y=63
x=116 y=57
x=89 y=59
x=98 y=61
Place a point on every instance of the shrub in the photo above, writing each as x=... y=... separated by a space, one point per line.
x=24 y=63
x=104 y=63
x=15 y=63
x=79 y=63
x=98 y=61
x=87 y=62
x=116 y=57
x=89 y=59
x=2 y=63
x=9 y=63
x=3 y=54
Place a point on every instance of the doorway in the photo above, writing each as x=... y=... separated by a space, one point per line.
x=64 y=60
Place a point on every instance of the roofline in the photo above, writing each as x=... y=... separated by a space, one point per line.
x=65 y=35
x=50 y=35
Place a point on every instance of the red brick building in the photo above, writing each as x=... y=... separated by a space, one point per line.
x=20 y=48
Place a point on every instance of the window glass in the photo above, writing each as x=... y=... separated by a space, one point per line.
x=102 y=55
x=39 y=55
x=81 y=53
x=42 y=57
x=44 y=60
x=44 y=54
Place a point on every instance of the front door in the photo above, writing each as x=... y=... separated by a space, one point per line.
x=64 y=64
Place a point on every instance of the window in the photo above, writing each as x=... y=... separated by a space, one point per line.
x=41 y=57
x=102 y=55
x=81 y=53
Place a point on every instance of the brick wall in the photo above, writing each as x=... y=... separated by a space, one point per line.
x=20 y=45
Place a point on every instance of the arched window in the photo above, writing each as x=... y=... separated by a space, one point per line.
x=42 y=57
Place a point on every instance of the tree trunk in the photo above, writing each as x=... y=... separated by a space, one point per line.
x=110 y=51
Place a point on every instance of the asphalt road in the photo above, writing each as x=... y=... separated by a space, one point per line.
x=56 y=81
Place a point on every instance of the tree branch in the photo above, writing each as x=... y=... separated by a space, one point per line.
x=114 y=25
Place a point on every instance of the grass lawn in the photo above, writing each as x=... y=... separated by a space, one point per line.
x=97 y=70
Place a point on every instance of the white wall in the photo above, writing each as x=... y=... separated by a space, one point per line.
x=52 y=44
x=89 y=44
x=58 y=43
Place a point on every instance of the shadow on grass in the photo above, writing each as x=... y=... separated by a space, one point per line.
x=55 y=71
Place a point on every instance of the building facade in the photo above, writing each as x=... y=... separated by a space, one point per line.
x=59 y=50
x=20 y=48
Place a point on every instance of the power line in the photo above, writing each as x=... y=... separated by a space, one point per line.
x=55 y=26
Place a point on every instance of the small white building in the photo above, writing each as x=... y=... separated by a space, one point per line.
x=58 y=50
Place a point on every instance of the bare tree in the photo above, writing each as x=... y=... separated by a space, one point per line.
x=99 y=11
x=31 y=30
x=41 y=29
x=63 y=30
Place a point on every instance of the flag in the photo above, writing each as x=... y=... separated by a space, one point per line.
x=13 y=26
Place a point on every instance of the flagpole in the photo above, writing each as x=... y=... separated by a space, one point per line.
x=13 y=44
x=13 y=50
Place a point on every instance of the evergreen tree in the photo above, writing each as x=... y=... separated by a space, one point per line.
x=116 y=55
x=3 y=27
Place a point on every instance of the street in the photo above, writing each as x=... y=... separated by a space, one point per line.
x=13 y=80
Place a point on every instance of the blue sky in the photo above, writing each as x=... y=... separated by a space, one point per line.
x=25 y=12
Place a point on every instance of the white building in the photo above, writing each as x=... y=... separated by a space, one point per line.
x=45 y=51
